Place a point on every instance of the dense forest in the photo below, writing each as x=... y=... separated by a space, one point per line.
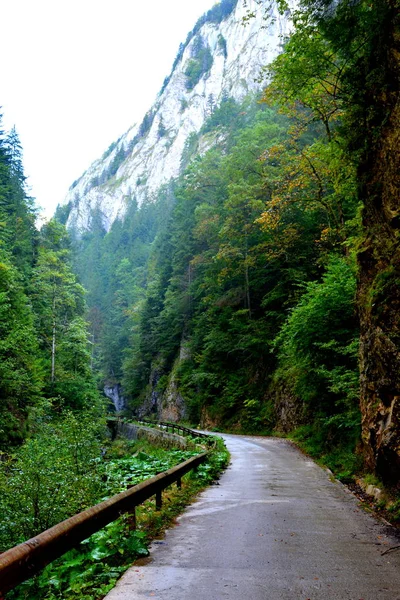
x=257 y=292
x=51 y=413
x=214 y=296
x=238 y=297
x=45 y=356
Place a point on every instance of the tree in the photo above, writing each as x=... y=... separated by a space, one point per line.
x=211 y=273
x=20 y=372
x=59 y=308
x=52 y=477
x=17 y=214
x=316 y=170
x=359 y=55
x=318 y=347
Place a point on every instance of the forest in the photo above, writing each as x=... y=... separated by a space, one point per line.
x=258 y=292
x=259 y=288
x=45 y=356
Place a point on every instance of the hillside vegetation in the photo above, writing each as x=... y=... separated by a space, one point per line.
x=237 y=293
x=258 y=291
x=44 y=352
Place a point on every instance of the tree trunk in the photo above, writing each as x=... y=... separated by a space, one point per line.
x=246 y=275
x=53 y=343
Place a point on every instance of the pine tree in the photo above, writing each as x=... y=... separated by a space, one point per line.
x=59 y=306
x=20 y=371
x=17 y=214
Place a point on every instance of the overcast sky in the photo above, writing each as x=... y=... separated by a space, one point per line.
x=76 y=74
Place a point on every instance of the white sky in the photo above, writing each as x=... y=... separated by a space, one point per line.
x=76 y=74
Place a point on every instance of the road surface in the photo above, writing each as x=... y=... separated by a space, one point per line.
x=275 y=528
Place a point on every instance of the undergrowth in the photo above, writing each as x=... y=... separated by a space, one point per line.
x=91 y=570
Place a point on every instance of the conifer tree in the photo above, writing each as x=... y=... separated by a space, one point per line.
x=17 y=215
x=59 y=305
x=20 y=370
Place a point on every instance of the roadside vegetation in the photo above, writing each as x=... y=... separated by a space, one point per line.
x=64 y=469
x=244 y=287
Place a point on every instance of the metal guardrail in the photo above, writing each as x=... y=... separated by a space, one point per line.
x=27 y=559
x=174 y=427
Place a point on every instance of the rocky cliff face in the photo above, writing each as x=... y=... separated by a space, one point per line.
x=379 y=302
x=379 y=258
x=113 y=391
x=219 y=60
x=167 y=404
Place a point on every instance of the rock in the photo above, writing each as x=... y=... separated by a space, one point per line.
x=150 y=153
x=289 y=409
x=114 y=393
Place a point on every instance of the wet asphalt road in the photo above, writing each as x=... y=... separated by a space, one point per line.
x=275 y=528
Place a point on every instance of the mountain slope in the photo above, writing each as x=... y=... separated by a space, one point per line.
x=222 y=57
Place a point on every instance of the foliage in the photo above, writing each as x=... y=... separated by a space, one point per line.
x=340 y=458
x=116 y=162
x=20 y=371
x=145 y=463
x=229 y=113
x=222 y=45
x=216 y=14
x=250 y=266
x=394 y=510
x=52 y=476
x=343 y=60
x=62 y=213
x=17 y=213
x=92 y=569
x=162 y=131
x=221 y=280
x=146 y=124
x=43 y=342
x=117 y=280
x=248 y=226
x=317 y=349
x=218 y=461
x=318 y=343
x=59 y=305
x=200 y=63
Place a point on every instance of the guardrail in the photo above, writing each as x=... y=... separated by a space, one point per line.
x=174 y=427
x=27 y=559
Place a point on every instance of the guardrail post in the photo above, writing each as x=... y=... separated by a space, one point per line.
x=131 y=520
x=179 y=483
x=159 y=500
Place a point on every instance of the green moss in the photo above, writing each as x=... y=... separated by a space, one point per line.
x=382 y=284
x=371 y=479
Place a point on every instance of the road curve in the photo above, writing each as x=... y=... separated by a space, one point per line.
x=275 y=528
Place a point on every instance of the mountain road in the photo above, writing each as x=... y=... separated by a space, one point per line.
x=275 y=527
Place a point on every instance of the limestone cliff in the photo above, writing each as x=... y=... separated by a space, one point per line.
x=220 y=58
